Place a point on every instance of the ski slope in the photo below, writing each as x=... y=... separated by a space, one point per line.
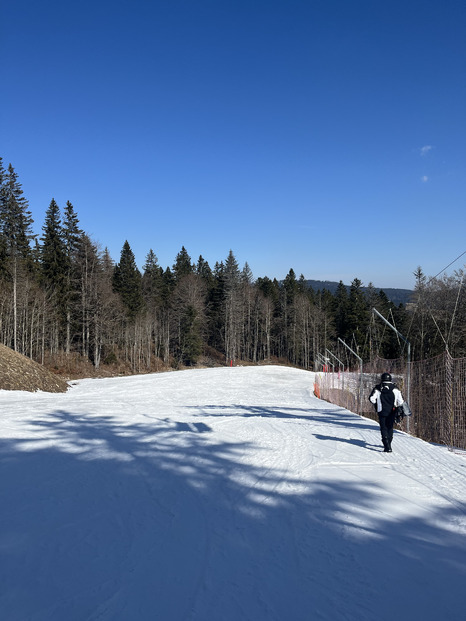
x=224 y=494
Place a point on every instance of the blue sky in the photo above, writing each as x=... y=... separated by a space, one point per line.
x=324 y=136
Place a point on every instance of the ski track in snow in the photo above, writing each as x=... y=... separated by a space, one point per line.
x=226 y=495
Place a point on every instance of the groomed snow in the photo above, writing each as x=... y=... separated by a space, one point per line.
x=222 y=495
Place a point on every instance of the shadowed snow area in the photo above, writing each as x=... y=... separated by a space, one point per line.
x=222 y=494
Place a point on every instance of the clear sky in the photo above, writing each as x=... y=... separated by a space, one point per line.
x=327 y=136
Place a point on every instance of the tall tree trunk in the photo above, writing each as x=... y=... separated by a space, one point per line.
x=15 y=306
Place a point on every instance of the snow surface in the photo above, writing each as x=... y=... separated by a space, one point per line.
x=222 y=494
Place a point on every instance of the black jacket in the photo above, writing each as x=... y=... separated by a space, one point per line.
x=386 y=396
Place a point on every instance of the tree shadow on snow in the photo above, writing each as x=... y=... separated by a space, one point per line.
x=362 y=443
x=339 y=418
x=106 y=521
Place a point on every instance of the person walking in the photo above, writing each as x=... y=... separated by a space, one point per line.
x=386 y=397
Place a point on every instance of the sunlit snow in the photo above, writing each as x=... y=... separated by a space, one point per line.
x=222 y=495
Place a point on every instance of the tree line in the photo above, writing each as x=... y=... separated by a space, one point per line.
x=61 y=294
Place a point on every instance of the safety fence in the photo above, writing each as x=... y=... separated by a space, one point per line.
x=437 y=394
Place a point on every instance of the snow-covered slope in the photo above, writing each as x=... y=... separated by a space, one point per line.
x=222 y=494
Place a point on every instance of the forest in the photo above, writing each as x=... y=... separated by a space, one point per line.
x=65 y=300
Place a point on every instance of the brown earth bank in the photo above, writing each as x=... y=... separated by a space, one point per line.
x=17 y=372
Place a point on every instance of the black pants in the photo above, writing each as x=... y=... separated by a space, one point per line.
x=386 y=427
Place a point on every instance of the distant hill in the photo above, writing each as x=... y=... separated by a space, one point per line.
x=397 y=296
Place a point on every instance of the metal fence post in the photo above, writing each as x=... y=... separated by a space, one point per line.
x=408 y=367
x=360 y=374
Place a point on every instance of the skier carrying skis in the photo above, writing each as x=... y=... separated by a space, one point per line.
x=387 y=398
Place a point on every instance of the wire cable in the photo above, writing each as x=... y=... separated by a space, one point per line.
x=445 y=268
x=456 y=308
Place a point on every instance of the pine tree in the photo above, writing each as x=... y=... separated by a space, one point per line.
x=153 y=292
x=268 y=287
x=188 y=318
x=152 y=280
x=323 y=328
x=203 y=269
x=16 y=230
x=289 y=292
x=357 y=318
x=290 y=286
x=168 y=285
x=248 y=344
x=422 y=327
x=4 y=273
x=99 y=306
x=190 y=337
x=86 y=267
x=15 y=218
x=72 y=233
x=232 y=307
x=108 y=264
x=54 y=259
x=340 y=310
x=302 y=285
x=215 y=311
x=247 y=276
x=2 y=186
x=72 y=237
x=54 y=269
x=3 y=242
x=127 y=282
x=182 y=266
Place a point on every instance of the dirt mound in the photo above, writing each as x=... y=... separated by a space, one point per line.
x=20 y=373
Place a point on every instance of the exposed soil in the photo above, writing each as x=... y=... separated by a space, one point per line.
x=17 y=372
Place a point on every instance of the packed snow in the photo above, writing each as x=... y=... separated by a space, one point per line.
x=223 y=494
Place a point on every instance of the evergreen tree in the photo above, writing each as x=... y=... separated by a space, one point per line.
x=203 y=269
x=4 y=273
x=247 y=277
x=16 y=230
x=72 y=238
x=190 y=337
x=182 y=266
x=168 y=285
x=108 y=264
x=232 y=307
x=323 y=326
x=15 y=218
x=72 y=234
x=127 y=282
x=97 y=302
x=152 y=280
x=287 y=336
x=188 y=318
x=422 y=325
x=250 y=312
x=302 y=287
x=54 y=259
x=290 y=286
x=2 y=187
x=3 y=242
x=268 y=287
x=379 y=332
x=357 y=318
x=54 y=269
x=340 y=310
x=151 y=266
x=215 y=308
x=231 y=273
